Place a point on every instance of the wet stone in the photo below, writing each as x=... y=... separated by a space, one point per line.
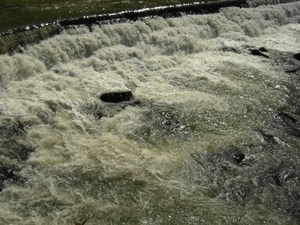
x=116 y=97
x=234 y=155
x=263 y=49
x=117 y=102
x=257 y=52
x=297 y=56
x=238 y=157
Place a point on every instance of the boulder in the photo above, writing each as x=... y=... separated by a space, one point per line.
x=297 y=56
x=258 y=53
x=116 y=97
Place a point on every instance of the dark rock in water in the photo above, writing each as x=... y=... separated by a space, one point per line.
x=117 y=103
x=116 y=97
x=263 y=49
x=234 y=155
x=238 y=157
x=14 y=148
x=297 y=56
x=258 y=53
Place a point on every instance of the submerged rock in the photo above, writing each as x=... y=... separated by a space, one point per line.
x=258 y=53
x=14 y=148
x=258 y=173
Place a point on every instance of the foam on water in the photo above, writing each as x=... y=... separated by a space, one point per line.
x=158 y=158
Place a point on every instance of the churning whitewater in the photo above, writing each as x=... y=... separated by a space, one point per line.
x=189 y=120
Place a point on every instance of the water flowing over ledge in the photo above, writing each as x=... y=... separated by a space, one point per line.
x=255 y=3
x=14 y=39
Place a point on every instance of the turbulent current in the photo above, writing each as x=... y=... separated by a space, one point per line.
x=187 y=120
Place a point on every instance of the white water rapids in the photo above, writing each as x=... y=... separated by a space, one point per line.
x=210 y=135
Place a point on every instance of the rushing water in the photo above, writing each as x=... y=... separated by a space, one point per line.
x=206 y=131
